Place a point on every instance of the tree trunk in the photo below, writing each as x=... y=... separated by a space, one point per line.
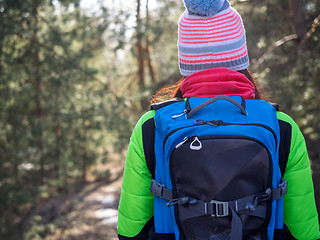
x=298 y=18
x=1 y=64
x=2 y=35
x=37 y=83
x=57 y=134
x=141 y=55
x=150 y=65
x=84 y=162
x=139 y=46
x=84 y=157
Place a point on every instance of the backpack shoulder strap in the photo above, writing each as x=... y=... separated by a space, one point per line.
x=285 y=143
x=275 y=105
x=148 y=135
x=157 y=106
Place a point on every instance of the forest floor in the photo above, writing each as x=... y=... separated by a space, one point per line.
x=89 y=214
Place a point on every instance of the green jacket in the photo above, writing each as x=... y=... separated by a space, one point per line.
x=300 y=213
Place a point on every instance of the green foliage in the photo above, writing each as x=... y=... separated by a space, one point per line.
x=70 y=90
x=56 y=117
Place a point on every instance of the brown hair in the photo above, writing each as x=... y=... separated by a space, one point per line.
x=169 y=92
x=173 y=91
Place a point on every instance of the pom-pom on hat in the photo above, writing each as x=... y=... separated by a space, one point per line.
x=203 y=7
x=211 y=34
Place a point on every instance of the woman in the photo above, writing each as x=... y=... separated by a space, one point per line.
x=213 y=60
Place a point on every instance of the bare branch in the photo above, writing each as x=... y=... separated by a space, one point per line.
x=315 y=24
x=272 y=48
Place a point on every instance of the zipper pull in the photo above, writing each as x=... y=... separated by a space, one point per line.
x=180 y=144
x=198 y=145
x=199 y=121
x=215 y=123
x=212 y=123
x=179 y=115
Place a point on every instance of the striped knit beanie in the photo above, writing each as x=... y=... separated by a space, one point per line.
x=211 y=34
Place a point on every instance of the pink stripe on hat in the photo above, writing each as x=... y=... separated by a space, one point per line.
x=213 y=35
x=211 y=30
x=211 y=39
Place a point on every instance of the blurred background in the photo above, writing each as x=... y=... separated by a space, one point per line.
x=76 y=75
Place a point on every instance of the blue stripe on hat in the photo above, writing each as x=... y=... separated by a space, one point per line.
x=236 y=65
x=212 y=49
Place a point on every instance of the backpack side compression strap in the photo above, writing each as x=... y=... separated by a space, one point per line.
x=148 y=134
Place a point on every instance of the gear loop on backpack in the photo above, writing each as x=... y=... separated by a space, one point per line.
x=196 y=147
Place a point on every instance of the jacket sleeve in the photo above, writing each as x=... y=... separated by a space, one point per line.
x=300 y=212
x=135 y=212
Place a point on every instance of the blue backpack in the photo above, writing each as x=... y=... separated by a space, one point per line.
x=217 y=172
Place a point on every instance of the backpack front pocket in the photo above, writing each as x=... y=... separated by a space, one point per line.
x=215 y=171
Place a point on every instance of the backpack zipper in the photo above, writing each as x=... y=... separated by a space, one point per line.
x=216 y=123
x=181 y=114
x=181 y=143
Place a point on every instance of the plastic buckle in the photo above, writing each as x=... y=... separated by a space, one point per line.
x=283 y=187
x=157 y=188
x=260 y=198
x=221 y=208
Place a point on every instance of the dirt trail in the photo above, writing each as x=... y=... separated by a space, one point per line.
x=99 y=211
x=90 y=214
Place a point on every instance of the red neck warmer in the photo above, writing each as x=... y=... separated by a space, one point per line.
x=217 y=81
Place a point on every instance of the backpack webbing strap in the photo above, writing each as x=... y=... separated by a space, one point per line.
x=280 y=191
x=160 y=190
x=250 y=205
x=236 y=227
x=196 y=208
x=191 y=207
